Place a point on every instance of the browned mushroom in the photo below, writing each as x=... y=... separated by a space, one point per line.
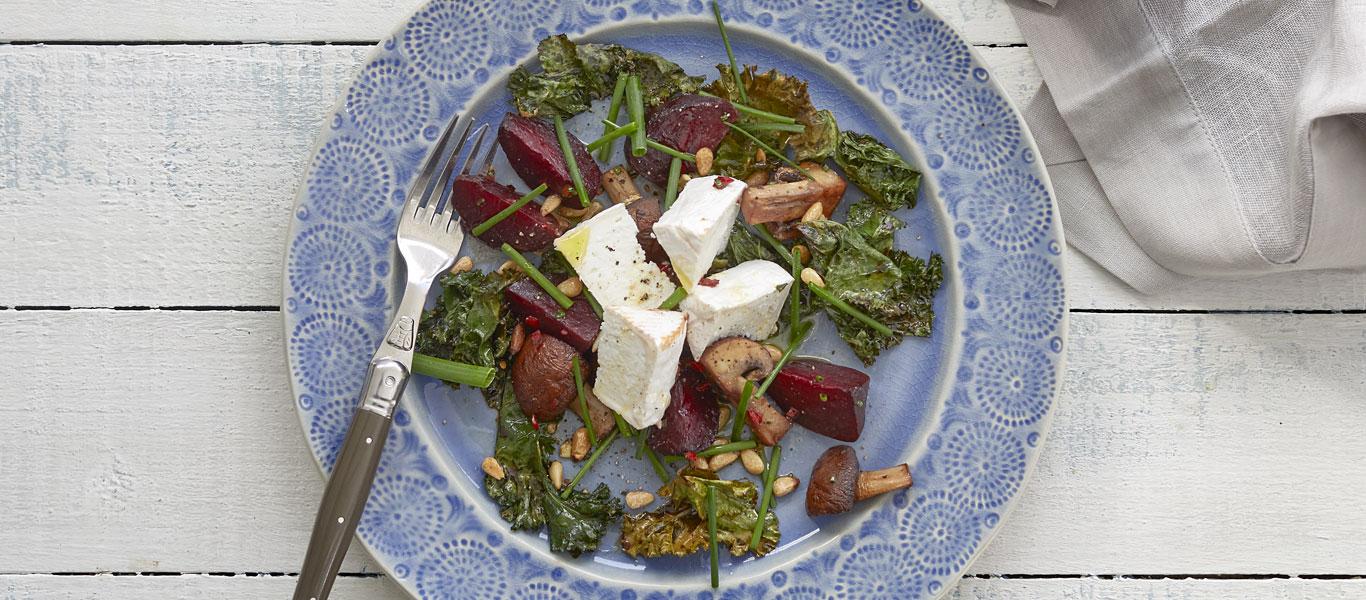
x=729 y=362
x=780 y=201
x=543 y=376
x=598 y=413
x=837 y=483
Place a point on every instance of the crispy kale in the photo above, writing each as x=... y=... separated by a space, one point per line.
x=879 y=171
x=577 y=523
x=572 y=76
x=470 y=323
x=889 y=285
x=745 y=246
x=874 y=223
x=680 y=527
x=778 y=93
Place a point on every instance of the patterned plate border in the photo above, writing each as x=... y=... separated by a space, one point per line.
x=980 y=156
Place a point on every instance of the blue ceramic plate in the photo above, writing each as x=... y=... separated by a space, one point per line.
x=967 y=408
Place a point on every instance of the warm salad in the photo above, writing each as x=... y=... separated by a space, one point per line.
x=665 y=298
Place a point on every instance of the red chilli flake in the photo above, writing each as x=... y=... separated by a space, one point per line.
x=708 y=282
x=690 y=455
x=532 y=321
x=697 y=366
x=791 y=413
x=534 y=423
x=721 y=182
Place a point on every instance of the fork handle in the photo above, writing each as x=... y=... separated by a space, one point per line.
x=349 y=488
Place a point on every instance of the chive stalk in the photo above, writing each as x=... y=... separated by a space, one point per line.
x=613 y=132
x=754 y=112
x=769 y=149
x=730 y=55
x=618 y=94
x=507 y=212
x=452 y=371
x=671 y=188
x=636 y=109
x=640 y=447
x=583 y=402
x=672 y=301
x=738 y=424
x=711 y=535
x=592 y=302
x=650 y=143
x=792 y=127
x=794 y=298
x=845 y=308
x=573 y=165
x=537 y=276
x=588 y=464
x=724 y=448
x=774 y=458
x=622 y=426
x=658 y=466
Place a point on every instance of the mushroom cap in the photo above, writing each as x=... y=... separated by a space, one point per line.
x=543 y=376
x=730 y=361
x=833 y=481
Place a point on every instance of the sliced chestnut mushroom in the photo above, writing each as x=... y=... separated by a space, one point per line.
x=837 y=483
x=543 y=377
x=598 y=413
x=731 y=361
x=780 y=201
x=767 y=421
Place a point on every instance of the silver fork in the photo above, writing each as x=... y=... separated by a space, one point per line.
x=429 y=237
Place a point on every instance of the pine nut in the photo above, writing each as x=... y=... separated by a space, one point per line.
x=759 y=156
x=700 y=463
x=721 y=461
x=815 y=212
x=579 y=444
x=557 y=474
x=551 y=427
x=683 y=180
x=784 y=485
x=571 y=287
x=752 y=461
x=803 y=254
x=551 y=203
x=464 y=264
x=703 y=161
x=721 y=441
x=811 y=277
x=566 y=450
x=507 y=266
x=638 y=498
x=724 y=416
x=492 y=468
x=518 y=338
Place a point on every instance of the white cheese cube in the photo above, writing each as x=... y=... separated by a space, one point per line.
x=638 y=352
x=611 y=263
x=695 y=229
x=747 y=300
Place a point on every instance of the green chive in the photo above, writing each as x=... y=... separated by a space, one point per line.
x=794 y=297
x=573 y=165
x=507 y=212
x=583 y=402
x=618 y=94
x=672 y=301
x=738 y=425
x=613 y=132
x=774 y=458
x=769 y=150
x=454 y=372
x=649 y=143
x=640 y=447
x=636 y=109
x=792 y=127
x=592 y=302
x=724 y=448
x=588 y=464
x=711 y=534
x=671 y=188
x=730 y=55
x=537 y=276
x=622 y=426
x=754 y=112
x=802 y=331
x=659 y=467
x=845 y=308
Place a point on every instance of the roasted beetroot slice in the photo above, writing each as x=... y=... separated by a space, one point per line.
x=534 y=152
x=479 y=197
x=687 y=122
x=824 y=397
x=577 y=326
x=689 y=423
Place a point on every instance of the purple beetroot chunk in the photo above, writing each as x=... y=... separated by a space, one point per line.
x=686 y=122
x=479 y=197
x=824 y=397
x=534 y=151
x=689 y=423
x=577 y=326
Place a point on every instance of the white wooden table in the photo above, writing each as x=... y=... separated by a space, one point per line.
x=1208 y=444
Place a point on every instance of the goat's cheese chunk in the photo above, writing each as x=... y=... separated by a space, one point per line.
x=747 y=301
x=611 y=263
x=695 y=229
x=638 y=352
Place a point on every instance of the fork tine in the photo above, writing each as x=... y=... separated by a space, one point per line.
x=441 y=189
x=474 y=150
x=420 y=187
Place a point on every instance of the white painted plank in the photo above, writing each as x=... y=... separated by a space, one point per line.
x=980 y=21
x=180 y=164
x=1183 y=444
x=205 y=587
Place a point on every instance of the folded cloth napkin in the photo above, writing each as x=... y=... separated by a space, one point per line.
x=1204 y=138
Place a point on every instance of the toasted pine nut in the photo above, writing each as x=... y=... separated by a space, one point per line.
x=803 y=254
x=571 y=287
x=492 y=468
x=683 y=180
x=518 y=337
x=551 y=427
x=700 y=463
x=579 y=443
x=752 y=461
x=720 y=441
x=507 y=265
x=759 y=156
x=557 y=474
x=638 y=498
x=551 y=203
x=566 y=449
x=811 y=277
x=815 y=212
x=703 y=164
x=464 y=264
x=572 y=213
x=721 y=461
x=784 y=485
x=757 y=178
x=724 y=416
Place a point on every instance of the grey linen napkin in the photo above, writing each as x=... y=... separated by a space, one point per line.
x=1204 y=139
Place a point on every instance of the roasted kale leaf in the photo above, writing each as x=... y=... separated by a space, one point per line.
x=874 y=223
x=470 y=323
x=680 y=527
x=573 y=75
x=892 y=287
x=577 y=523
x=879 y=171
x=745 y=246
x=778 y=93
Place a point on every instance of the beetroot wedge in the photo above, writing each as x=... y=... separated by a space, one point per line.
x=479 y=197
x=689 y=423
x=824 y=397
x=686 y=122
x=534 y=151
x=577 y=326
